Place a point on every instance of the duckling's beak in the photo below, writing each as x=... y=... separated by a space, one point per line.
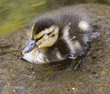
x=30 y=46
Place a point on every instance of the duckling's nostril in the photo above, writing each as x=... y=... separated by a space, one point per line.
x=32 y=44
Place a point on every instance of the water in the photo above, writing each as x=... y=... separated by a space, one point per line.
x=14 y=14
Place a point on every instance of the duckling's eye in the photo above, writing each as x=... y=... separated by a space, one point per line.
x=53 y=35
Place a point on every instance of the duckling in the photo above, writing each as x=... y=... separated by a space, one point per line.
x=59 y=35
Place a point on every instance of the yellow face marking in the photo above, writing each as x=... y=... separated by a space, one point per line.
x=48 y=40
x=46 y=31
x=32 y=33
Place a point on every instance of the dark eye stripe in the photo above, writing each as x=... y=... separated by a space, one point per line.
x=49 y=33
x=45 y=34
x=39 y=38
x=42 y=36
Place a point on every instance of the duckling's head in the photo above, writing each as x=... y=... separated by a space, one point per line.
x=44 y=33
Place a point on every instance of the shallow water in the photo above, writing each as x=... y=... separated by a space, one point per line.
x=14 y=14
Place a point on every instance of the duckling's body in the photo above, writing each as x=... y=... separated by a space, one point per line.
x=58 y=35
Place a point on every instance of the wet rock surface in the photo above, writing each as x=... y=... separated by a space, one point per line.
x=20 y=77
